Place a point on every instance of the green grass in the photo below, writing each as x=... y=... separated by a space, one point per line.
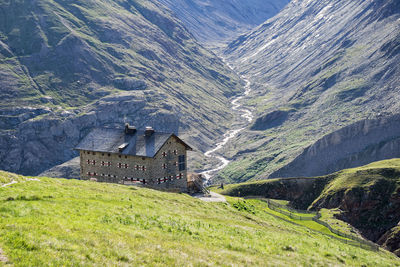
x=55 y=222
x=348 y=179
x=328 y=216
x=372 y=175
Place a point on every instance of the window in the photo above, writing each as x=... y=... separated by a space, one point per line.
x=164 y=166
x=179 y=176
x=164 y=154
x=171 y=178
x=93 y=153
x=176 y=164
x=103 y=163
x=102 y=154
x=93 y=162
x=126 y=157
x=175 y=152
x=109 y=164
x=162 y=180
x=137 y=167
x=119 y=156
x=182 y=163
x=144 y=168
x=88 y=161
x=126 y=166
x=119 y=165
x=109 y=154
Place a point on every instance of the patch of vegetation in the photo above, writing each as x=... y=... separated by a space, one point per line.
x=87 y=223
x=329 y=216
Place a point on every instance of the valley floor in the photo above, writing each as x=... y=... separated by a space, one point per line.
x=70 y=222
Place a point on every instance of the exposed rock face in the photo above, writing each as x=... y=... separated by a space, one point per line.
x=68 y=66
x=333 y=62
x=391 y=240
x=300 y=191
x=368 y=197
x=373 y=210
x=215 y=22
x=355 y=145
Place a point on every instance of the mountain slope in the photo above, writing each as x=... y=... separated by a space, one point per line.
x=217 y=22
x=66 y=67
x=367 y=197
x=316 y=67
x=351 y=146
x=68 y=222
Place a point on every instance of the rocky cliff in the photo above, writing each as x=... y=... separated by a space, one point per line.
x=316 y=67
x=368 y=197
x=351 y=146
x=66 y=67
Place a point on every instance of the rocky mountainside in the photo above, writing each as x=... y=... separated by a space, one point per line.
x=216 y=22
x=68 y=66
x=316 y=67
x=351 y=146
x=367 y=197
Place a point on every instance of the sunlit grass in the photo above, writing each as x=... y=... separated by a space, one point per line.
x=62 y=222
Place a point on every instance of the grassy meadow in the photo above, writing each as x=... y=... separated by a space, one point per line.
x=54 y=222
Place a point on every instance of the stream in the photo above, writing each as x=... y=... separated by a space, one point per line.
x=245 y=114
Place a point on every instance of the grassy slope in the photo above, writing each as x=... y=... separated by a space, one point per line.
x=347 y=179
x=364 y=177
x=69 y=222
x=75 y=52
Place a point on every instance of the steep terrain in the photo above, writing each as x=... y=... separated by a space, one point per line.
x=316 y=67
x=67 y=66
x=368 y=197
x=351 y=146
x=73 y=223
x=216 y=22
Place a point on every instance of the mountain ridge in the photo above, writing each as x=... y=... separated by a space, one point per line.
x=320 y=66
x=67 y=67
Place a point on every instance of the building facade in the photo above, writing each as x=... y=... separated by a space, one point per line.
x=152 y=159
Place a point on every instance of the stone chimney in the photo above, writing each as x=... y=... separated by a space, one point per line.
x=149 y=131
x=129 y=129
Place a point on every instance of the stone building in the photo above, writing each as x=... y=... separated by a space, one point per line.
x=149 y=158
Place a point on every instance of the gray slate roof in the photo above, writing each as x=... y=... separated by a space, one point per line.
x=109 y=140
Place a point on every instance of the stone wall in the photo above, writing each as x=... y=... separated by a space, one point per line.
x=150 y=172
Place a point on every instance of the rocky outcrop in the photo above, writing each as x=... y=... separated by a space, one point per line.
x=367 y=197
x=300 y=191
x=391 y=240
x=355 y=145
x=373 y=210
